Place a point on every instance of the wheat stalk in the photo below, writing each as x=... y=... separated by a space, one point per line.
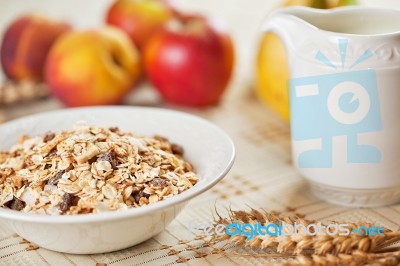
x=299 y=243
x=15 y=92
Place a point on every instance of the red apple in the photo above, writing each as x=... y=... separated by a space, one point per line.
x=139 y=18
x=25 y=45
x=191 y=63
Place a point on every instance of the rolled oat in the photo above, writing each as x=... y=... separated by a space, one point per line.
x=91 y=169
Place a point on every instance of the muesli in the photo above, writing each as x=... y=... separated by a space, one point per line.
x=91 y=169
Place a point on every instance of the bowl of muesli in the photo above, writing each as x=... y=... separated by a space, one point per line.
x=100 y=179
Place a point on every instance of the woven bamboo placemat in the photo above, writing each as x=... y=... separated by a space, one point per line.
x=262 y=177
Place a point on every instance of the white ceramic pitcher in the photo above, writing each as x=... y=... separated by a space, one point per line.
x=345 y=100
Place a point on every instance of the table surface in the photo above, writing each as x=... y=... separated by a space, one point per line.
x=262 y=177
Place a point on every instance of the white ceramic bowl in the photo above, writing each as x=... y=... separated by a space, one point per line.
x=206 y=146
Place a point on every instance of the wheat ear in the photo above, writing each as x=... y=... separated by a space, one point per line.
x=299 y=243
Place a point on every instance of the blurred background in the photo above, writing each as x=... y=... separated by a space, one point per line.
x=243 y=18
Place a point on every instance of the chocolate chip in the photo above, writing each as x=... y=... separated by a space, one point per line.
x=16 y=204
x=158 y=182
x=48 y=136
x=109 y=157
x=68 y=200
x=176 y=149
x=54 y=180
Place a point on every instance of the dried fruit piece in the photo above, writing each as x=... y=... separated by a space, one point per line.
x=51 y=154
x=16 y=204
x=48 y=136
x=67 y=201
x=158 y=182
x=114 y=129
x=54 y=180
x=86 y=210
x=141 y=194
x=176 y=149
x=109 y=157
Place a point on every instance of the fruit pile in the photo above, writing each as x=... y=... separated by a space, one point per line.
x=187 y=58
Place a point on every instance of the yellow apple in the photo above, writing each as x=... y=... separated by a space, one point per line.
x=272 y=73
x=92 y=67
x=140 y=19
x=272 y=70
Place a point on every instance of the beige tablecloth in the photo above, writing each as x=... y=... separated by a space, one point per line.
x=262 y=177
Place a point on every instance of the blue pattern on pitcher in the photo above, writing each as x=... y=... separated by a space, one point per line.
x=348 y=104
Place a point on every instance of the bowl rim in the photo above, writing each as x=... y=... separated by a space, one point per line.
x=121 y=214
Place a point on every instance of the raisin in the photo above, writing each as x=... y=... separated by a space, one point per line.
x=139 y=195
x=109 y=157
x=48 y=136
x=176 y=149
x=52 y=154
x=68 y=200
x=158 y=182
x=114 y=129
x=54 y=180
x=16 y=204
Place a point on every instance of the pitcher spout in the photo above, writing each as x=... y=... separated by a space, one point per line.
x=289 y=25
x=340 y=38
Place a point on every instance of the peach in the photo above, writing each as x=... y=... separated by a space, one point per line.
x=25 y=45
x=92 y=67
